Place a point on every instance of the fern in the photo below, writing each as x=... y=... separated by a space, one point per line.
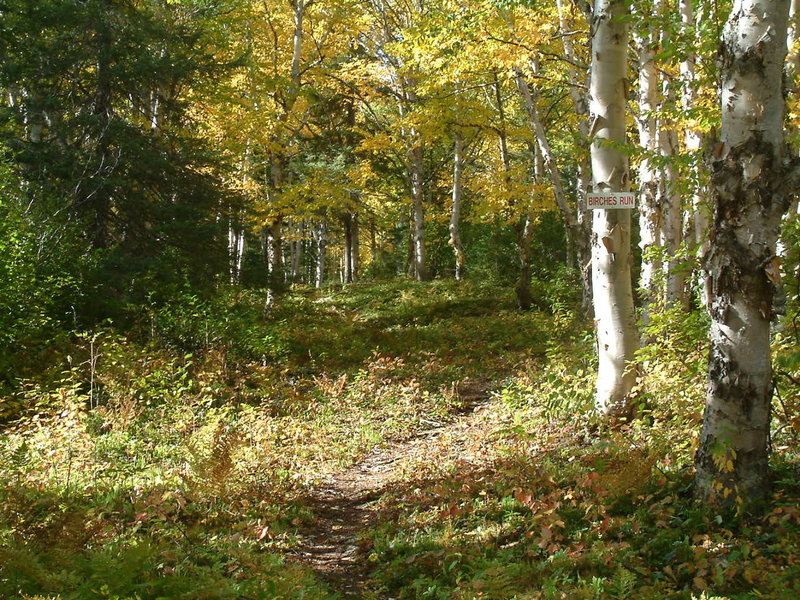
x=212 y=450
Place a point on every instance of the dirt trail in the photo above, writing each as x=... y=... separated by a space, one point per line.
x=343 y=503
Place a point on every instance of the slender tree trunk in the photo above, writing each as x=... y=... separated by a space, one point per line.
x=580 y=100
x=650 y=209
x=525 y=239
x=320 y=233
x=524 y=227
x=751 y=188
x=279 y=163
x=297 y=249
x=455 y=215
x=583 y=245
x=693 y=140
x=674 y=279
x=418 y=209
x=355 y=247
x=505 y=160
x=410 y=264
x=350 y=255
x=347 y=254
x=236 y=248
x=373 y=247
x=275 y=241
x=530 y=99
x=277 y=277
x=617 y=338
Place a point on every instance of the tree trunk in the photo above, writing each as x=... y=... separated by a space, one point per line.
x=276 y=279
x=279 y=163
x=505 y=160
x=455 y=215
x=751 y=189
x=236 y=248
x=650 y=209
x=524 y=240
x=672 y=231
x=321 y=240
x=580 y=101
x=692 y=140
x=297 y=250
x=355 y=247
x=617 y=338
x=347 y=254
x=530 y=98
x=275 y=255
x=418 y=220
x=373 y=247
x=523 y=287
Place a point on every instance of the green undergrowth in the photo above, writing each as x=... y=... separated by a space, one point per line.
x=561 y=507
x=171 y=460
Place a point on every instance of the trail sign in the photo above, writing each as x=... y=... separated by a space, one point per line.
x=610 y=200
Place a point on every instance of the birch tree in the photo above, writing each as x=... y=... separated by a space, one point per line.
x=617 y=337
x=455 y=215
x=692 y=138
x=578 y=77
x=650 y=213
x=751 y=189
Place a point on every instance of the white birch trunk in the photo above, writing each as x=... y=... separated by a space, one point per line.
x=418 y=211
x=697 y=229
x=455 y=214
x=236 y=249
x=320 y=234
x=751 y=190
x=617 y=338
x=650 y=210
x=792 y=72
x=580 y=101
x=670 y=202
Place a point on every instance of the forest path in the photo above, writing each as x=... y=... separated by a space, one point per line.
x=344 y=504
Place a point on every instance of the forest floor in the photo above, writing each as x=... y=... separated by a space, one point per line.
x=344 y=504
x=382 y=441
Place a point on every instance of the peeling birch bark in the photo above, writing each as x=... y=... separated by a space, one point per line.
x=751 y=188
x=617 y=337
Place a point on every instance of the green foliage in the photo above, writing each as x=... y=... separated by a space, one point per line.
x=159 y=551
x=141 y=471
x=558 y=512
x=41 y=278
x=119 y=202
x=144 y=471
